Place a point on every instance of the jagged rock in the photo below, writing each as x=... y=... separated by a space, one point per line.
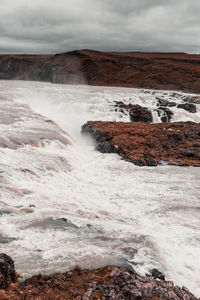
x=164 y=102
x=163 y=111
x=191 y=99
x=136 y=112
x=148 y=144
x=7 y=271
x=140 y=114
x=188 y=107
x=110 y=282
x=186 y=98
x=156 y=274
x=165 y=114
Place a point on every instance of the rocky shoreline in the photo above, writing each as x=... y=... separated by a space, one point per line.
x=148 y=144
x=110 y=282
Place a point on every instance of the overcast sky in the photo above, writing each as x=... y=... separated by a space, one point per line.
x=52 y=26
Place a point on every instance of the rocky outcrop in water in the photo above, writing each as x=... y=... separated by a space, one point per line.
x=164 y=113
x=188 y=107
x=173 y=71
x=186 y=98
x=136 y=112
x=148 y=144
x=110 y=282
x=165 y=103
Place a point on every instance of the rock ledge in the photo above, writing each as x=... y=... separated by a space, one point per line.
x=148 y=144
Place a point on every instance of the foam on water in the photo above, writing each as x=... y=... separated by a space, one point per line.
x=63 y=205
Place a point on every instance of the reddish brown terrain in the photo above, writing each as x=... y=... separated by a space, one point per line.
x=176 y=71
x=110 y=282
x=140 y=142
x=148 y=144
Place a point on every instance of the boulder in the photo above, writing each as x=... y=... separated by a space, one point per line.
x=136 y=112
x=165 y=114
x=190 y=107
x=164 y=102
x=156 y=274
x=7 y=271
x=191 y=99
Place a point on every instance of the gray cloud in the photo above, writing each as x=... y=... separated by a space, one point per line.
x=49 y=26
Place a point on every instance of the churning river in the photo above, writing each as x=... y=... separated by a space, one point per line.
x=64 y=204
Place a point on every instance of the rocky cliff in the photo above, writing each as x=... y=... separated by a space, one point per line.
x=176 y=71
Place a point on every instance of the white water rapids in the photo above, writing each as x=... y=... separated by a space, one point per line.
x=63 y=204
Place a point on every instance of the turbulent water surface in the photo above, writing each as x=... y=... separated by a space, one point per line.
x=64 y=204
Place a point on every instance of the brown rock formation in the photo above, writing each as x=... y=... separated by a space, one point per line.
x=165 y=103
x=110 y=282
x=148 y=144
x=164 y=113
x=136 y=112
x=186 y=98
x=176 y=71
x=7 y=271
x=189 y=107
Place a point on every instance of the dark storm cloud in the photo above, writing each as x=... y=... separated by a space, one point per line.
x=49 y=26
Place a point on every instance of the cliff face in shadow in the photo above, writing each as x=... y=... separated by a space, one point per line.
x=176 y=71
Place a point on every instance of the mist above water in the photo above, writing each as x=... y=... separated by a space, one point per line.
x=67 y=204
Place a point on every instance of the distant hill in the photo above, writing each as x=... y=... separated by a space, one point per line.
x=175 y=71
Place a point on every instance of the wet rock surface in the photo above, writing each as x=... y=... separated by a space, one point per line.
x=110 y=282
x=139 y=113
x=170 y=71
x=7 y=271
x=163 y=102
x=188 y=107
x=136 y=112
x=187 y=104
x=156 y=274
x=164 y=113
x=148 y=144
x=186 y=98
